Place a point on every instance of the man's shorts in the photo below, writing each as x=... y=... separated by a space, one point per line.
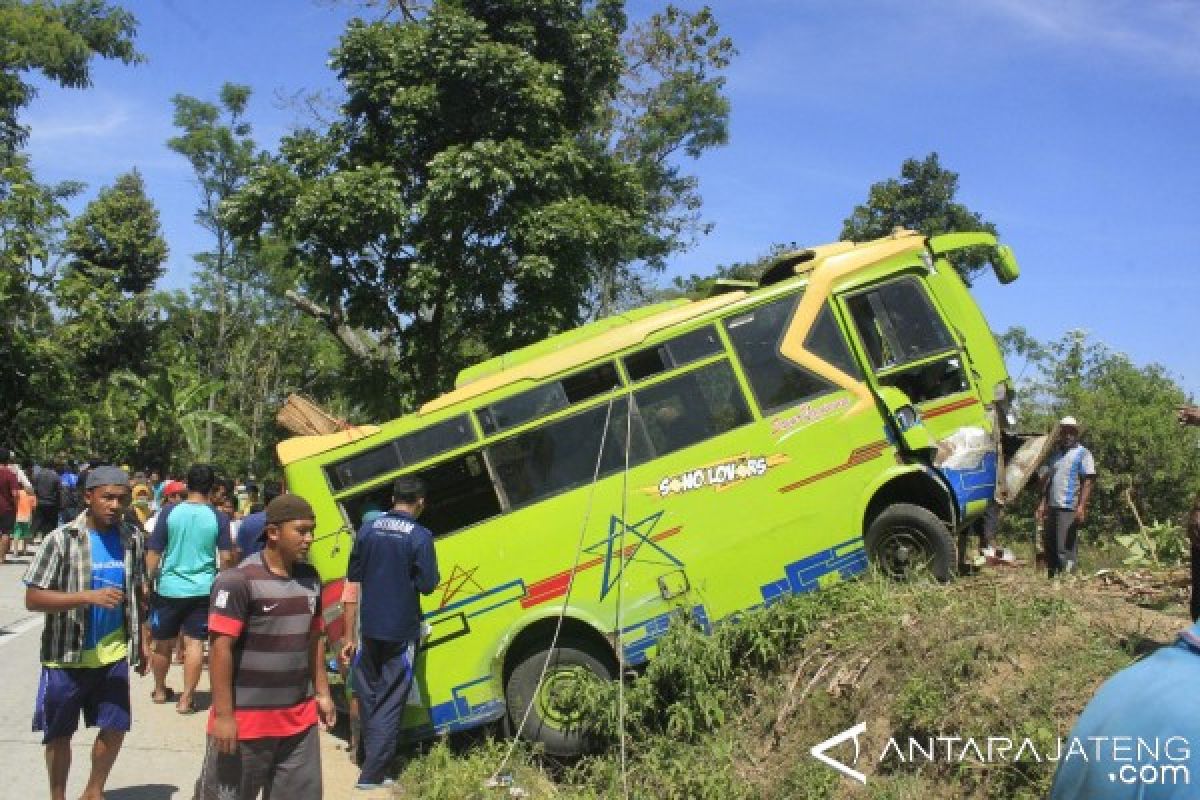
x=7 y=523
x=285 y=766
x=22 y=530
x=101 y=693
x=170 y=615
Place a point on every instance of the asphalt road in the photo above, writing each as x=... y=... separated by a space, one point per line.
x=161 y=756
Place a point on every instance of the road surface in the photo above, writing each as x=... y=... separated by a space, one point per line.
x=161 y=757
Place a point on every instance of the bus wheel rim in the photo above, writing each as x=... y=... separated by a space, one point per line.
x=557 y=681
x=904 y=551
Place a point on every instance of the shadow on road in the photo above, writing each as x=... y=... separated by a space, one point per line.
x=151 y=791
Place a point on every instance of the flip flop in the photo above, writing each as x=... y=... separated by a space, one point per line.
x=168 y=696
x=190 y=708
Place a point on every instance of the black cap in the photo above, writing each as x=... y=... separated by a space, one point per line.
x=408 y=488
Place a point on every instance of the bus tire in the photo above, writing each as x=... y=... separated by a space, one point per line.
x=555 y=728
x=906 y=540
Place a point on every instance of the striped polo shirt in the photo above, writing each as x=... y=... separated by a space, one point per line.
x=271 y=617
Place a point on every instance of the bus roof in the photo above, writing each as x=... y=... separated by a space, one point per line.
x=598 y=339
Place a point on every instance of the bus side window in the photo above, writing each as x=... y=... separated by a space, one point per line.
x=562 y=455
x=827 y=341
x=776 y=381
x=460 y=494
x=692 y=407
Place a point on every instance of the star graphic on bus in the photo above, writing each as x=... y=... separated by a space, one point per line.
x=636 y=534
x=455 y=582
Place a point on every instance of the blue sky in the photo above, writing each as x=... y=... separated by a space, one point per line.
x=1073 y=126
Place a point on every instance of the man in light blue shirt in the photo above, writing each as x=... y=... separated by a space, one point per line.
x=1066 y=483
x=1139 y=737
x=182 y=556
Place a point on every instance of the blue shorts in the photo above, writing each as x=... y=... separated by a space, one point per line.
x=170 y=615
x=101 y=693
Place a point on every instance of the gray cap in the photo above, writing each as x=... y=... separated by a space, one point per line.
x=106 y=476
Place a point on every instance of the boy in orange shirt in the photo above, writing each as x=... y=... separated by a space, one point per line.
x=22 y=533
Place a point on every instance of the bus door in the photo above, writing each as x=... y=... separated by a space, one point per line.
x=910 y=346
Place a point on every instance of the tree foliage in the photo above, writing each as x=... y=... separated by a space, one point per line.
x=59 y=40
x=481 y=183
x=118 y=238
x=921 y=199
x=32 y=215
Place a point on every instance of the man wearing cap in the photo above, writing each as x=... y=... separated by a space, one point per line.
x=267 y=668
x=393 y=559
x=88 y=578
x=1066 y=483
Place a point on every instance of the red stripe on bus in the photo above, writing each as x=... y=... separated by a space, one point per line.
x=860 y=455
x=946 y=409
x=557 y=585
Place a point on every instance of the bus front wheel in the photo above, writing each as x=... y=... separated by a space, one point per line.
x=554 y=720
x=907 y=541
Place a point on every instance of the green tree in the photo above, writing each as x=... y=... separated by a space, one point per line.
x=59 y=40
x=108 y=316
x=217 y=141
x=32 y=215
x=117 y=240
x=922 y=199
x=481 y=185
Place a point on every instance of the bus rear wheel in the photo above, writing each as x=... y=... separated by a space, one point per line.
x=907 y=541
x=553 y=720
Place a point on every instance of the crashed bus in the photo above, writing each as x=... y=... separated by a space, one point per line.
x=692 y=458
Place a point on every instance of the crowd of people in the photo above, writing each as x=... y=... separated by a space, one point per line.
x=130 y=567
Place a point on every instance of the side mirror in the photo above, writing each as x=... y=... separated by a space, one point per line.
x=906 y=420
x=1004 y=263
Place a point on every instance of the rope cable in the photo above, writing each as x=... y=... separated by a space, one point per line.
x=562 y=611
x=621 y=599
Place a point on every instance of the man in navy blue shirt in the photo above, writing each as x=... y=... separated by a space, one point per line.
x=250 y=535
x=393 y=559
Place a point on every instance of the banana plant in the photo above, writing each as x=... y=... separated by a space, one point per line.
x=173 y=403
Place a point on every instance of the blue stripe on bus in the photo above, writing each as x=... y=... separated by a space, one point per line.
x=847 y=559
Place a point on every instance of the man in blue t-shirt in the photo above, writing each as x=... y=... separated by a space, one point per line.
x=1139 y=737
x=88 y=578
x=182 y=557
x=393 y=559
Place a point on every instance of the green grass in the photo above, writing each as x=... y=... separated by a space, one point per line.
x=733 y=715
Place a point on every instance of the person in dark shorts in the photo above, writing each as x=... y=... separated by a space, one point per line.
x=182 y=555
x=89 y=579
x=267 y=663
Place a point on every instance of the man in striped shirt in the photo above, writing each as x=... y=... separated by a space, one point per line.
x=267 y=669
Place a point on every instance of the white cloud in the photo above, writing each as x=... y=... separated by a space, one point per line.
x=1159 y=33
x=62 y=126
